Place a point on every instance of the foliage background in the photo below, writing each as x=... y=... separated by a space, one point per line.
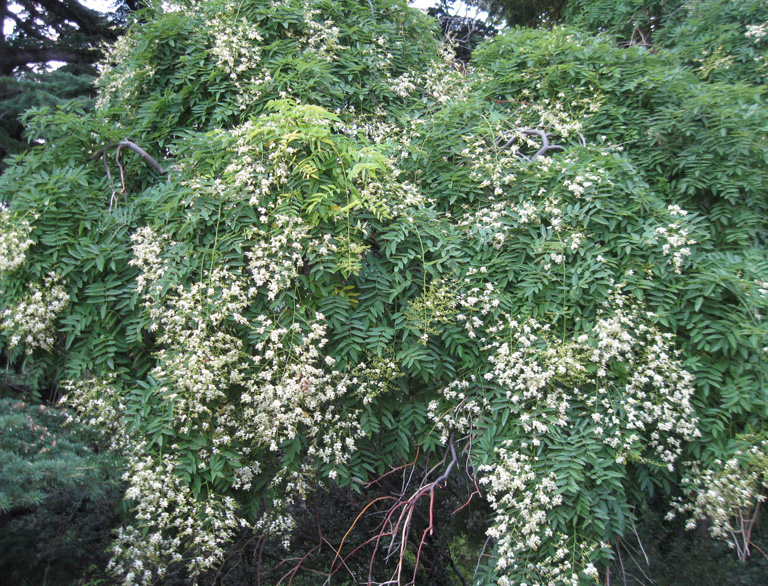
x=352 y=260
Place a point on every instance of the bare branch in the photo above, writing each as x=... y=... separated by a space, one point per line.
x=545 y=144
x=122 y=173
x=401 y=526
x=135 y=148
x=454 y=459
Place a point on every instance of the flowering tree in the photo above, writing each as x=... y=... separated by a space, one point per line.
x=292 y=246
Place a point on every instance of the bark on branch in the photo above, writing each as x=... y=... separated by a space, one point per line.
x=135 y=148
x=401 y=527
x=545 y=144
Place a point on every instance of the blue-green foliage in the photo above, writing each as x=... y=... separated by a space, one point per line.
x=40 y=456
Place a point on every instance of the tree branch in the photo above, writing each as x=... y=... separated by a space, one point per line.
x=23 y=26
x=89 y=21
x=545 y=145
x=4 y=13
x=135 y=148
x=401 y=527
x=10 y=57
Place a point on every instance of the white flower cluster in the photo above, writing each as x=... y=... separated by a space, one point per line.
x=757 y=32
x=295 y=393
x=491 y=168
x=443 y=84
x=586 y=182
x=554 y=114
x=438 y=81
x=653 y=411
x=495 y=222
x=249 y=399
x=435 y=305
x=248 y=170
x=147 y=247
x=499 y=221
x=522 y=500
x=621 y=383
x=677 y=240
x=174 y=521
x=115 y=82
x=323 y=37
x=100 y=404
x=403 y=85
x=474 y=305
x=727 y=495
x=336 y=444
x=235 y=44
x=14 y=240
x=375 y=130
x=390 y=197
x=31 y=321
x=268 y=160
x=276 y=258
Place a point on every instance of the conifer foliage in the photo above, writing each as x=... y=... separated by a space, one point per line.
x=294 y=246
x=48 y=52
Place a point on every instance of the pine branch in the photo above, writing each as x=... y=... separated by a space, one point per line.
x=10 y=57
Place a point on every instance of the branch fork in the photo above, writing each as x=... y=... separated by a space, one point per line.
x=135 y=148
x=546 y=146
x=402 y=526
x=118 y=146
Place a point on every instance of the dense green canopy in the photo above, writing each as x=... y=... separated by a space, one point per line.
x=294 y=246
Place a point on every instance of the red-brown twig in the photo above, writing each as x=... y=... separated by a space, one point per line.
x=402 y=526
x=383 y=476
x=343 y=539
x=291 y=574
x=233 y=552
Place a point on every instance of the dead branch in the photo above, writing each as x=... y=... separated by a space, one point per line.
x=455 y=569
x=236 y=551
x=383 y=476
x=113 y=198
x=402 y=526
x=120 y=166
x=135 y=148
x=643 y=42
x=343 y=539
x=545 y=144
